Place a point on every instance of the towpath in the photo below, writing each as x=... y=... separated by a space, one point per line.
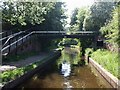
x=22 y=63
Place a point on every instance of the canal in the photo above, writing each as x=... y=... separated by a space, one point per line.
x=66 y=73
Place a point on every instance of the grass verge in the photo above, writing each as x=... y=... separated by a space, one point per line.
x=108 y=60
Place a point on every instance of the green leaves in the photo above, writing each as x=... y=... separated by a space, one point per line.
x=13 y=74
x=21 y=20
x=74 y=17
x=81 y=16
x=92 y=18
x=25 y=12
x=111 y=30
x=77 y=19
x=108 y=60
x=44 y=15
x=99 y=13
x=54 y=20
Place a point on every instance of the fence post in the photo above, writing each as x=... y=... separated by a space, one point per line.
x=22 y=43
x=30 y=39
x=16 y=46
x=94 y=40
x=9 y=46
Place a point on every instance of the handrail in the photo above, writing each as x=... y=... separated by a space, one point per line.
x=49 y=31
x=63 y=32
x=16 y=41
x=11 y=36
x=2 y=32
x=44 y=32
x=83 y=32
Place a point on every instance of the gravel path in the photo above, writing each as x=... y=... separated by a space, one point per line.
x=22 y=63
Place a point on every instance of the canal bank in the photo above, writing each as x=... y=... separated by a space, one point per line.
x=40 y=67
x=55 y=75
x=101 y=72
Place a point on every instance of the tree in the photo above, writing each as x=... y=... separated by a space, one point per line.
x=20 y=14
x=79 y=26
x=75 y=20
x=80 y=17
x=74 y=17
x=54 y=20
x=111 y=30
x=98 y=15
x=37 y=15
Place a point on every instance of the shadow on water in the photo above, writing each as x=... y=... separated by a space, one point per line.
x=65 y=73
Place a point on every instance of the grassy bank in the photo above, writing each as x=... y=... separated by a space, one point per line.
x=108 y=60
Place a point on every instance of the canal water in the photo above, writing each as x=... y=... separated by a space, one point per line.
x=65 y=73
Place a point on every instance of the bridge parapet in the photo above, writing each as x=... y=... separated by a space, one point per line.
x=83 y=32
x=48 y=34
x=64 y=32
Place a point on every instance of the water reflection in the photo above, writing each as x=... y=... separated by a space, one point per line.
x=64 y=74
x=66 y=69
x=71 y=56
x=67 y=85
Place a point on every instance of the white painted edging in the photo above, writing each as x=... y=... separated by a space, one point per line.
x=115 y=82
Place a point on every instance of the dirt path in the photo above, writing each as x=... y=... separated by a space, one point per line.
x=22 y=63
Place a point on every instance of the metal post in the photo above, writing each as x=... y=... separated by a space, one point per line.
x=22 y=39
x=36 y=38
x=9 y=46
x=30 y=39
x=16 y=46
x=22 y=44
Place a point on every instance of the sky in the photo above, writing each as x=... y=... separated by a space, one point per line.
x=72 y=4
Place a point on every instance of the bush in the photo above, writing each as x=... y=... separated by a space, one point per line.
x=13 y=74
